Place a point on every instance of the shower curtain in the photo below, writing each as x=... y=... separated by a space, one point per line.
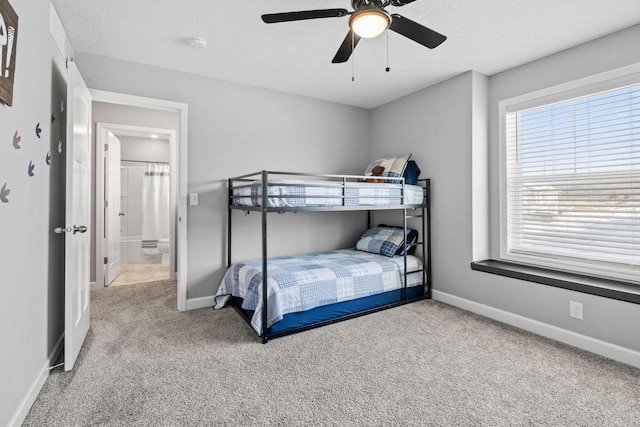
x=155 y=207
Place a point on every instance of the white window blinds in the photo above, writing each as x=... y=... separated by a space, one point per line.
x=573 y=181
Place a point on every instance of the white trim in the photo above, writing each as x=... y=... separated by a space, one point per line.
x=135 y=101
x=202 y=302
x=32 y=394
x=179 y=156
x=603 y=348
x=30 y=397
x=597 y=83
x=57 y=30
x=99 y=208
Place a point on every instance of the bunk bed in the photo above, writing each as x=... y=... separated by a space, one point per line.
x=311 y=290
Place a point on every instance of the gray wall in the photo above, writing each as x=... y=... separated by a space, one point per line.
x=144 y=149
x=443 y=127
x=236 y=129
x=25 y=309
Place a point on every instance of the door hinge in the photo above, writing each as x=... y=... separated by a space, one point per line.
x=106 y=147
x=106 y=203
x=106 y=260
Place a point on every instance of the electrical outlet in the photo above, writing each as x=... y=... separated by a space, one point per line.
x=575 y=310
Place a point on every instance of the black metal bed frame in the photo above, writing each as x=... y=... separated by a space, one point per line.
x=265 y=209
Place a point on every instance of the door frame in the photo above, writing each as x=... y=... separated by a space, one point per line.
x=112 y=223
x=102 y=130
x=178 y=158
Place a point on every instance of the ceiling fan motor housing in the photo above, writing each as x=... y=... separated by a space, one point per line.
x=378 y=4
x=369 y=4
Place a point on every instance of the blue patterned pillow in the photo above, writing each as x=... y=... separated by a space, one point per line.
x=393 y=167
x=412 y=237
x=383 y=241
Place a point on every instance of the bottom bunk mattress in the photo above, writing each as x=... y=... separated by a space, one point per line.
x=301 y=283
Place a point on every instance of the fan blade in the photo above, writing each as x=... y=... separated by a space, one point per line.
x=272 y=18
x=345 y=50
x=416 y=32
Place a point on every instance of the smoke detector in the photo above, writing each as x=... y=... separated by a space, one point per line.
x=197 y=42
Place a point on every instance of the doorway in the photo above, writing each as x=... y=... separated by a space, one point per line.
x=177 y=162
x=139 y=202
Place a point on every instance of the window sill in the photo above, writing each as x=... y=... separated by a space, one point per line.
x=572 y=281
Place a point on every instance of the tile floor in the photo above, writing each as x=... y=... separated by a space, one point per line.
x=141 y=272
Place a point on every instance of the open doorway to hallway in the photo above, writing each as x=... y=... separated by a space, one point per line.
x=133 y=119
x=138 y=238
x=138 y=208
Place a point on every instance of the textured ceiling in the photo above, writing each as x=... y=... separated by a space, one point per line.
x=488 y=36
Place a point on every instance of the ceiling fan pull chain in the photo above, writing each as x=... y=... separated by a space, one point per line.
x=353 y=59
x=387 y=69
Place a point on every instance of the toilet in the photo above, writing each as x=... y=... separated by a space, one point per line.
x=163 y=248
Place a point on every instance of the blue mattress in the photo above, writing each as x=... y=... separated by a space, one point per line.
x=302 y=282
x=335 y=310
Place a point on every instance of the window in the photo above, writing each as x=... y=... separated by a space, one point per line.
x=570 y=196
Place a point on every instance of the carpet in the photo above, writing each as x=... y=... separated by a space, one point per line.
x=422 y=364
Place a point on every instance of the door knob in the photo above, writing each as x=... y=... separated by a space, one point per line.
x=75 y=229
x=81 y=229
x=121 y=214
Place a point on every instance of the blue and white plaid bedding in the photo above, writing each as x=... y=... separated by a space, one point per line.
x=300 y=193
x=384 y=241
x=301 y=282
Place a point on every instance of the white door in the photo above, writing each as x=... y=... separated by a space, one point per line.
x=112 y=210
x=77 y=215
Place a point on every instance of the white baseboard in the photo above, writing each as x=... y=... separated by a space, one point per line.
x=95 y=286
x=203 y=302
x=603 y=348
x=34 y=390
x=27 y=401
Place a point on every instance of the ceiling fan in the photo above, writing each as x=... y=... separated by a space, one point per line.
x=368 y=19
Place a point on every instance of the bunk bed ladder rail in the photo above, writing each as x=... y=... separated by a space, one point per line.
x=425 y=216
x=229 y=210
x=265 y=198
x=426 y=237
x=404 y=252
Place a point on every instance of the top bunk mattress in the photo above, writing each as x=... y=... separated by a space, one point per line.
x=293 y=193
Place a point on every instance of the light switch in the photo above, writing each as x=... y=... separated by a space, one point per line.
x=193 y=199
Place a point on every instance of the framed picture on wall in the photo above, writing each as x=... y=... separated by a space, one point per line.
x=8 y=43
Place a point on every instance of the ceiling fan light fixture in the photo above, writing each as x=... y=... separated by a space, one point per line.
x=369 y=23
